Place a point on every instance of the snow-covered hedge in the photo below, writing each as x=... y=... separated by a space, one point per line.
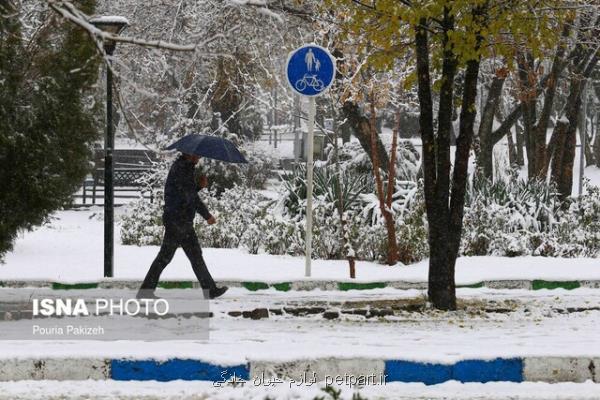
x=249 y=220
x=142 y=224
x=518 y=218
x=354 y=159
x=506 y=218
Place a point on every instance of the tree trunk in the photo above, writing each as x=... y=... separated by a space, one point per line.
x=557 y=146
x=554 y=145
x=441 y=289
x=585 y=61
x=589 y=153
x=392 y=254
x=565 y=183
x=486 y=154
x=541 y=127
x=512 y=151
x=391 y=226
x=534 y=137
x=346 y=132
x=520 y=144
x=361 y=127
x=596 y=146
x=463 y=145
x=528 y=100
x=529 y=144
x=445 y=213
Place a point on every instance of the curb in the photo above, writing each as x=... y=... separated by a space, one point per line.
x=536 y=284
x=357 y=371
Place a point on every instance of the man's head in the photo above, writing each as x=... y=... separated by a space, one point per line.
x=192 y=158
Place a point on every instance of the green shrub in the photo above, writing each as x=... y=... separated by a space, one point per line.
x=47 y=116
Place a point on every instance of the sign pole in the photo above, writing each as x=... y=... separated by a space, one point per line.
x=297 y=127
x=310 y=71
x=309 y=183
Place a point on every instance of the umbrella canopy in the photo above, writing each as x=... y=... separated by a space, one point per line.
x=213 y=147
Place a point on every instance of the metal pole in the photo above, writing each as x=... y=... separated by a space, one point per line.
x=582 y=134
x=297 y=128
x=109 y=142
x=309 y=182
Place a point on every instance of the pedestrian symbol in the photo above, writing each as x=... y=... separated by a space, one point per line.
x=310 y=70
x=309 y=58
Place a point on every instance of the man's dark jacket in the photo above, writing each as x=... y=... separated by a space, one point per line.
x=181 y=195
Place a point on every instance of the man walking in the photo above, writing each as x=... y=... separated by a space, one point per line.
x=181 y=205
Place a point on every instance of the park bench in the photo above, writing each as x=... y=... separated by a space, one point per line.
x=130 y=166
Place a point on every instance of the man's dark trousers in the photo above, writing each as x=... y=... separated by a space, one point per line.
x=177 y=235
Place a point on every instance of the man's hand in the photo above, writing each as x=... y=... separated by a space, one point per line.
x=211 y=220
x=203 y=181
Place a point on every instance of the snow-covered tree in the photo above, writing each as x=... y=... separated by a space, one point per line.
x=47 y=115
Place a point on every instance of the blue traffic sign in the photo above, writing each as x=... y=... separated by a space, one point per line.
x=310 y=70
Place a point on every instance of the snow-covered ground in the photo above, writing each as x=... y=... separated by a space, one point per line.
x=179 y=390
x=70 y=249
x=488 y=324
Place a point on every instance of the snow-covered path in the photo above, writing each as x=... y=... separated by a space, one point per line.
x=524 y=324
x=490 y=324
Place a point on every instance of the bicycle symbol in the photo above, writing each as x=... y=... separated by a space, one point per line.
x=309 y=81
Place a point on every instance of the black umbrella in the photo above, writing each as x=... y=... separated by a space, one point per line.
x=213 y=147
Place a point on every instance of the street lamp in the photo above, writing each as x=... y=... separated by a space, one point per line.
x=113 y=25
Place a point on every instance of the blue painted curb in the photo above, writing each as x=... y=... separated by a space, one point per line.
x=509 y=370
x=147 y=370
x=551 y=369
x=499 y=369
x=410 y=371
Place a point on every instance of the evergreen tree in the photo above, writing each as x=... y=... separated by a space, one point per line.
x=47 y=117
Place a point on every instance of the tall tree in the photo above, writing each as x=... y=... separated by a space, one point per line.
x=486 y=124
x=584 y=61
x=450 y=39
x=530 y=88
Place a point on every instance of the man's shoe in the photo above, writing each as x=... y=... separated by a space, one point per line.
x=146 y=294
x=217 y=292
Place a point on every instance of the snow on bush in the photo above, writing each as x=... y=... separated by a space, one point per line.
x=142 y=224
x=353 y=159
x=527 y=218
x=411 y=227
x=238 y=211
x=506 y=218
